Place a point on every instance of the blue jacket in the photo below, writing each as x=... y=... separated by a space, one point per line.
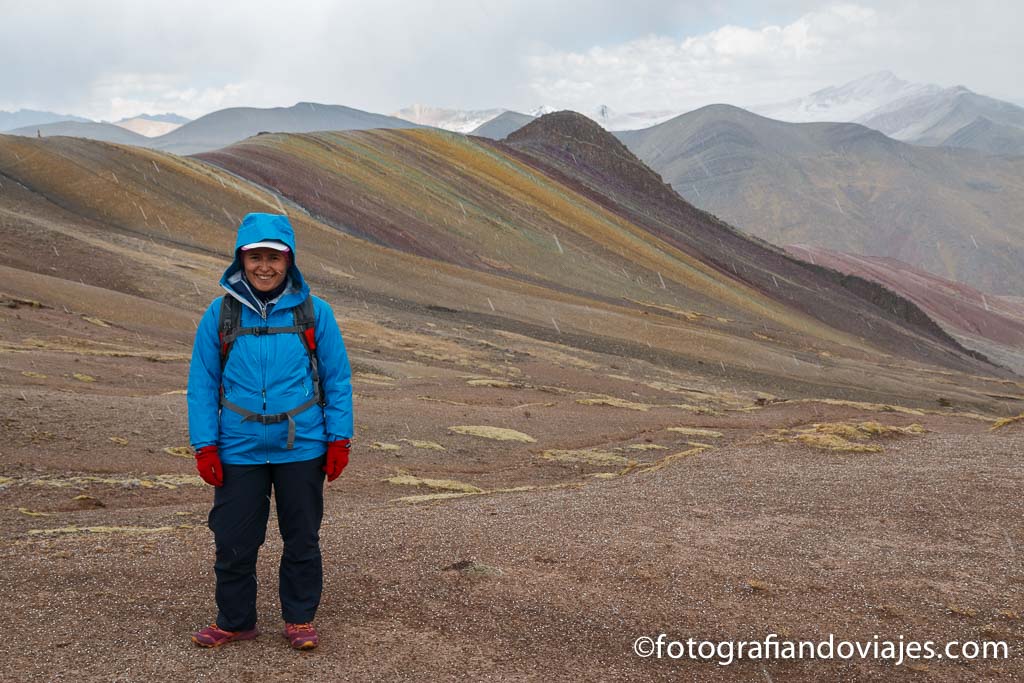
x=268 y=374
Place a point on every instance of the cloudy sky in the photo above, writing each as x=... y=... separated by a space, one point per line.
x=114 y=59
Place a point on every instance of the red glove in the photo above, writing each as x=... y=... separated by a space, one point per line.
x=337 y=458
x=208 y=464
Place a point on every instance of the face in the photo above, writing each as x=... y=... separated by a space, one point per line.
x=265 y=268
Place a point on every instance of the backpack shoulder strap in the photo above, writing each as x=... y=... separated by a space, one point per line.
x=305 y=323
x=305 y=320
x=228 y=325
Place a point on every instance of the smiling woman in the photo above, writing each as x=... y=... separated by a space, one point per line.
x=275 y=415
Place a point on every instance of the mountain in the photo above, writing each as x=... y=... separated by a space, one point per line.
x=223 y=127
x=919 y=113
x=165 y=118
x=987 y=136
x=23 y=118
x=934 y=118
x=148 y=127
x=458 y=120
x=568 y=145
x=151 y=125
x=954 y=213
x=104 y=132
x=991 y=324
x=846 y=102
x=500 y=126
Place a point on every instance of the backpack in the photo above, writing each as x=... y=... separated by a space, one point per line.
x=230 y=328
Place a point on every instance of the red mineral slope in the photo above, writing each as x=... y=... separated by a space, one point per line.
x=991 y=324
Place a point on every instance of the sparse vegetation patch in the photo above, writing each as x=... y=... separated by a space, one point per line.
x=496 y=433
x=425 y=445
x=589 y=456
x=1002 y=422
x=844 y=436
x=696 y=431
x=614 y=402
x=442 y=484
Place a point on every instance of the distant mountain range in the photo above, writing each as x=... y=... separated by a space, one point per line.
x=105 y=132
x=918 y=113
x=226 y=126
x=9 y=120
x=952 y=117
x=953 y=212
x=847 y=102
x=470 y=121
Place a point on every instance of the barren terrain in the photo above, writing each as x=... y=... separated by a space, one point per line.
x=605 y=527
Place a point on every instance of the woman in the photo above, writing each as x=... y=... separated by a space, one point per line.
x=269 y=407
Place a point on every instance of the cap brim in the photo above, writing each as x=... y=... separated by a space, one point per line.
x=269 y=244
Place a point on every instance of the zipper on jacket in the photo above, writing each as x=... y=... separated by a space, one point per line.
x=264 y=341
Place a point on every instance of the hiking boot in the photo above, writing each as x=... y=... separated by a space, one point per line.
x=212 y=636
x=301 y=636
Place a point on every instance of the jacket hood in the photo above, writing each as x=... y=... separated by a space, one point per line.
x=257 y=227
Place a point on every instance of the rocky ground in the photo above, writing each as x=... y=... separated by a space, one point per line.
x=632 y=501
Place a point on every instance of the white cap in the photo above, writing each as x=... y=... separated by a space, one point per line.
x=270 y=244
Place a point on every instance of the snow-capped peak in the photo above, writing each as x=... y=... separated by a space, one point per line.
x=845 y=102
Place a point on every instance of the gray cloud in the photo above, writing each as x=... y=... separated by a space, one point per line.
x=116 y=58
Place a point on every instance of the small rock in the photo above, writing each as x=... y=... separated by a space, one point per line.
x=473 y=568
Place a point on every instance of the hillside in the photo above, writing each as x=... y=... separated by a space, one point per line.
x=554 y=387
x=848 y=188
x=990 y=324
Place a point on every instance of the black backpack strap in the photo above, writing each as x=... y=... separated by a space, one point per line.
x=228 y=326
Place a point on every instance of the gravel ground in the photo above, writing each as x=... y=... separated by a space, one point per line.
x=107 y=563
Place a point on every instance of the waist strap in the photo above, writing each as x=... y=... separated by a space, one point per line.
x=249 y=416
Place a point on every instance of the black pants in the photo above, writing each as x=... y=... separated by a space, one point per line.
x=238 y=520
